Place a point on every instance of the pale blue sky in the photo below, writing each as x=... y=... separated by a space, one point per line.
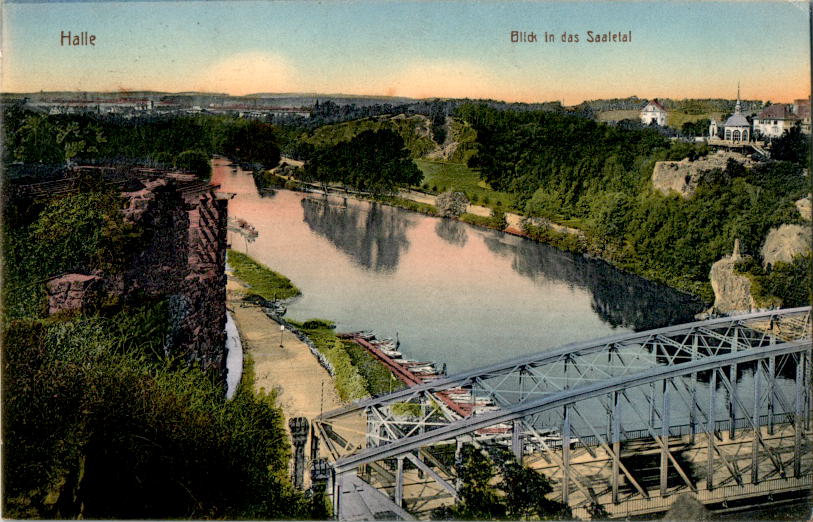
x=422 y=48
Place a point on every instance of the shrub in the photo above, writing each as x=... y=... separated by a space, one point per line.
x=194 y=161
x=314 y=324
x=452 y=204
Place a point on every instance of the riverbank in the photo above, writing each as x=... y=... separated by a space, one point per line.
x=563 y=237
x=281 y=362
x=569 y=239
x=306 y=382
x=259 y=279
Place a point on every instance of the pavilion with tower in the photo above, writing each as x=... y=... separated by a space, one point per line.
x=736 y=128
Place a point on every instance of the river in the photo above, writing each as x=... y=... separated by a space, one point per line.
x=454 y=293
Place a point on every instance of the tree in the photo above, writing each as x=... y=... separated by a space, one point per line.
x=372 y=161
x=194 y=161
x=520 y=494
x=498 y=219
x=452 y=204
x=477 y=499
x=792 y=146
x=244 y=229
x=251 y=141
x=40 y=139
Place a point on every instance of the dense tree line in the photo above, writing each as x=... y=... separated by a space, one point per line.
x=371 y=161
x=566 y=167
x=35 y=138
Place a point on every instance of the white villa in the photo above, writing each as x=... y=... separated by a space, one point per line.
x=653 y=112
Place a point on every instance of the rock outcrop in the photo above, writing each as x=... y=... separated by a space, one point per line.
x=74 y=292
x=683 y=176
x=732 y=291
x=182 y=258
x=785 y=242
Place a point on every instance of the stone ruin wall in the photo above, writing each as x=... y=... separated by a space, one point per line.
x=182 y=257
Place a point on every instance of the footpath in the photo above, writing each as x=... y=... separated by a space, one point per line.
x=514 y=220
x=303 y=386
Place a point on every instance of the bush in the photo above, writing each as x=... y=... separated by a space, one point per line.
x=452 y=204
x=498 y=219
x=194 y=161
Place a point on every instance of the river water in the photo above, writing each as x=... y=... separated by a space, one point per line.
x=454 y=293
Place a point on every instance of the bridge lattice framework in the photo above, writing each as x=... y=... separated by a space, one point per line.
x=720 y=408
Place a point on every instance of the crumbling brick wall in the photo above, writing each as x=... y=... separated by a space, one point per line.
x=182 y=257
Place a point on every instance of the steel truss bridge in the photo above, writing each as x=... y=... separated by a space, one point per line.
x=720 y=408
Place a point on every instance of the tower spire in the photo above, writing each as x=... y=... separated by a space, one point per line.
x=738 y=107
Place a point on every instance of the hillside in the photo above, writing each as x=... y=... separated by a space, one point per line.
x=415 y=131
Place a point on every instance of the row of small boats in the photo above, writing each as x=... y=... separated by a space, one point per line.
x=462 y=397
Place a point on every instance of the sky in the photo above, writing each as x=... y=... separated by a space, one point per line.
x=418 y=49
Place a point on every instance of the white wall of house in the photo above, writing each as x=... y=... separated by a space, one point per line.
x=652 y=113
x=772 y=128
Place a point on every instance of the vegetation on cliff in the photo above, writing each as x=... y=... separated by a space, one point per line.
x=99 y=424
x=98 y=421
x=76 y=232
x=413 y=130
x=566 y=167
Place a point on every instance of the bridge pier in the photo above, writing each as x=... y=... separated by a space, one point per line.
x=299 y=427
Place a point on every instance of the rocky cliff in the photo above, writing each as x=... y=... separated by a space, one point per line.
x=682 y=177
x=732 y=291
x=182 y=258
x=785 y=242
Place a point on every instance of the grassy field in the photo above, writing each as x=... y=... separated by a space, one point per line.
x=441 y=176
x=675 y=119
x=618 y=115
x=262 y=281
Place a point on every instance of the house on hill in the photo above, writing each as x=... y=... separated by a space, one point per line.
x=774 y=120
x=653 y=112
x=802 y=110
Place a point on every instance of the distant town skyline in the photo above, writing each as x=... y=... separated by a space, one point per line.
x=418 y=49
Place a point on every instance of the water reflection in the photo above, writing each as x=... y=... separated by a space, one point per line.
x=374 y=236
x=453 y=232
x=619 y=298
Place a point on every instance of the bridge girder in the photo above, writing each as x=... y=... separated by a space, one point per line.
x=578 y=404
